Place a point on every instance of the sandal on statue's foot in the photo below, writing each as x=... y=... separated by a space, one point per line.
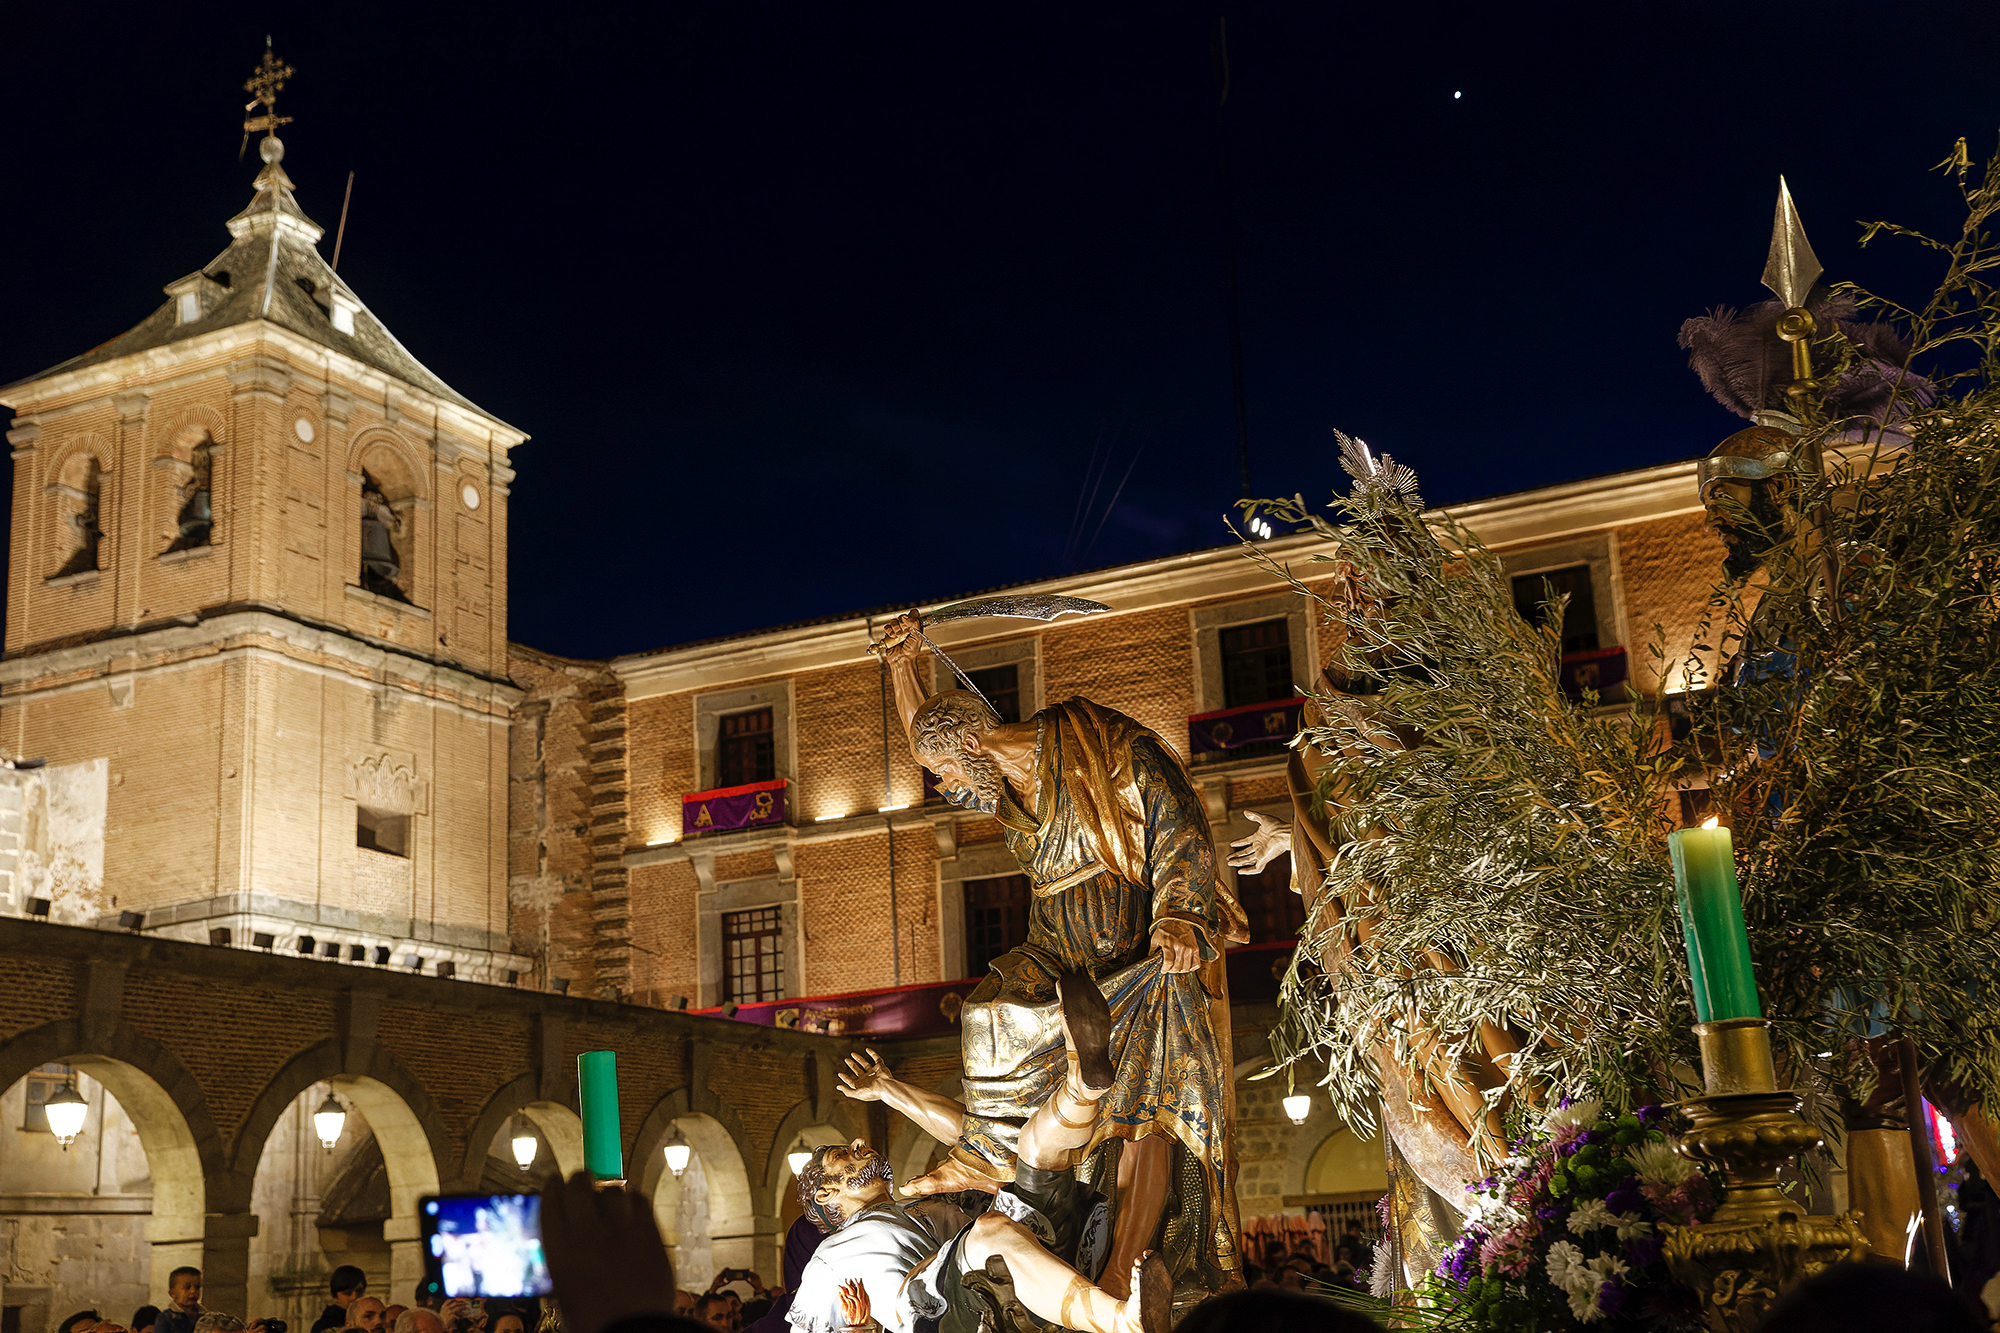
x=1086 y=1022
x=1150 y=1307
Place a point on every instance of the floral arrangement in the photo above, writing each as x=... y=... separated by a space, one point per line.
x=1568 y=1233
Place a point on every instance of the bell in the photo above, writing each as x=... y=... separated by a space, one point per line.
x=196 y=519
x=378 y=552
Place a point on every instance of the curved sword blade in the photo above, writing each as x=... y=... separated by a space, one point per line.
x=1023 y=606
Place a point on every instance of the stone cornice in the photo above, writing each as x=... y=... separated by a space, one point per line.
x=174 y=646
x=1548 y=514
x=95 y=382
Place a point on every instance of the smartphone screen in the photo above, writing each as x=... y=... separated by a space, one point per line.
x=484 y=1244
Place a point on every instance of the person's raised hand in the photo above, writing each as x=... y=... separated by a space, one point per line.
x=863 y=1078
x=1178 y=945
x=1266 y=843
x=854 y=1304
x=902 y=639
x=606 y=1259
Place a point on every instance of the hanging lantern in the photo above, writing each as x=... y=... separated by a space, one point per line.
x=1297 y=1107
x=678 y=1153
x=800 y=1154
x=328 y=1121
x=526 y=1145
x=66 y=1111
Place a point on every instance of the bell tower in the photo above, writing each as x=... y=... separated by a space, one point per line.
x=256 y=620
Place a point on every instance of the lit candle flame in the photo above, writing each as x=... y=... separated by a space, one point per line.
x=1711 y=821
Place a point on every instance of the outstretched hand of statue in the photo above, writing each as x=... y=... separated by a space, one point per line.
x=854 y=1304
x=902 y=639
x=864 y=1076
x=1269 y=841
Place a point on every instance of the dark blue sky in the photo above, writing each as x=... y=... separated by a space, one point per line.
x=814 y=308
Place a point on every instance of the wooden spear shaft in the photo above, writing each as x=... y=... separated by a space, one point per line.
x=1920 y=1153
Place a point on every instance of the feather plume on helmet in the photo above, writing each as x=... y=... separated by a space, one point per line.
x=1747 y=367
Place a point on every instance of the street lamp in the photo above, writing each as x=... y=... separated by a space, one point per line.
x=66 y=1111
x=526 y=1145
x=678 y=1153
x=328 y=1121
x=799 y=1156
x=1298 y=1106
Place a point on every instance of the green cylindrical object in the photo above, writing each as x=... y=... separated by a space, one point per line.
x=597 y=1091
x=1718 y=944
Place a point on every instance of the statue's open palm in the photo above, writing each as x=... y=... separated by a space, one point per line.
x=1267 y=843
x=864 y=1076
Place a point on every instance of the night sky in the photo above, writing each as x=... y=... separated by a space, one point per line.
x=817 y=308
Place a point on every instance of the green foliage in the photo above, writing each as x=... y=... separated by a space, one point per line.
x=1514 y=864
x=1857 y=738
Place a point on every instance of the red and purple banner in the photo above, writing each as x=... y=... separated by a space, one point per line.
x=1211 y=733
x=752 y=805
x=1597 y=671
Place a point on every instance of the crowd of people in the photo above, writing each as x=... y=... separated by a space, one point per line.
x=612 y=1274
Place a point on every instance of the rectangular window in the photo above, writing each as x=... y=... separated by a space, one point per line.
x=753 y=959
x=1275 y=912
x=743 y=751
x=996 y=919
x=1002 y=687
x=1579 y=627
x=45 y=1082
x=1257 y=663
x=380 y=831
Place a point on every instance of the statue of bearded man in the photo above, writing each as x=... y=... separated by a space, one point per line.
x=1105 y=821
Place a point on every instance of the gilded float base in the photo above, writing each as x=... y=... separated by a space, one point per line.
x=1760 y=1242
x=1739 y=1268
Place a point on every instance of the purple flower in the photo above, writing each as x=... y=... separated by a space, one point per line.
x=1626 y=1198
x=1652 y=1117
x=1643 y=1251
x=1611 y=1297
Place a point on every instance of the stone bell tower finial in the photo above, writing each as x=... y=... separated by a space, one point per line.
x=264 y=85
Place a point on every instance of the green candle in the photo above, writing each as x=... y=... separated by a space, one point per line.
x=1718 y=946
x=597 y=1092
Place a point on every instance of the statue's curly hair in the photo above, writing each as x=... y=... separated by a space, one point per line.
x=939 y=727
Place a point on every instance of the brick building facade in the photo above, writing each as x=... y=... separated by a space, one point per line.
x=308 y=823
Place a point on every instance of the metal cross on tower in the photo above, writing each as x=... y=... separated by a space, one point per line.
x=264 y=85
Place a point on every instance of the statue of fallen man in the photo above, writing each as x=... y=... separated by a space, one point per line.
x=1028 y=1263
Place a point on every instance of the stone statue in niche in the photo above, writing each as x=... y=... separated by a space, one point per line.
x=380 y=526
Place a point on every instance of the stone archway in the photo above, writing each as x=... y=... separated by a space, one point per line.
x=169 y=1115
x=562 y=1133
x=406 y=1153
x=725 y=1236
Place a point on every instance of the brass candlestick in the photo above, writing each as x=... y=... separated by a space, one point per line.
x=1759 y=1243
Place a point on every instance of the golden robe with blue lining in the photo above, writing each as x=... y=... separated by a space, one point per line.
x=1119 y=840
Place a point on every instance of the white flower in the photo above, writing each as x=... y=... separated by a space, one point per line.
x=1659 y=1165
x=1566 y=1266
x=1589 y=1216
x=1584 y=1113
x=1630 y=1226
x=1582 y=1280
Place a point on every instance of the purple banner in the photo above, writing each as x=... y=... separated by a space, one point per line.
x=1598 y=671
x=753 y=805
x=1211 y=733
x=929 y=1010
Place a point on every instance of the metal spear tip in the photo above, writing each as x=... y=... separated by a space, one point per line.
x=1791 y=268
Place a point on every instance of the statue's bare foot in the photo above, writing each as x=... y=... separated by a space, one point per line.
x=1086 y=1022
x=952 y=1176
x=1149 y=1309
